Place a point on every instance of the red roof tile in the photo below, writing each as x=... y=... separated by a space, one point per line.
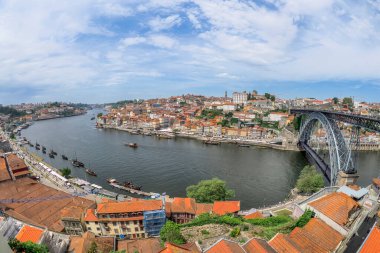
x=337 y=206
x=203 y=208
x=225 y=246
x=254 y=215
x=258 y=246
x=372 y=243
x=224 y=207
x=28 y=233
x=281 y=244
x=129 y=206
x=90 y=215
x=183 y=205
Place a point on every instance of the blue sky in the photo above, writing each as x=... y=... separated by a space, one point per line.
x=106 y=50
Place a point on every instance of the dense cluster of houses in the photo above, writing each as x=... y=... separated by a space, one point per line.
x=242 y=116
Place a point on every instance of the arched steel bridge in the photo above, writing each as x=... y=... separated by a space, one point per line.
x=340 y=155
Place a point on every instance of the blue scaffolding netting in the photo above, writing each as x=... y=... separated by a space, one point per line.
x=154 y=221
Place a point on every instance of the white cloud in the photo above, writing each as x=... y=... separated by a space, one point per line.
x=162 y=41
x=158 y=24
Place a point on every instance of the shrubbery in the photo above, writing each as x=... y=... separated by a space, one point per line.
x=270 y=221
x=235 y=232
x=171 y=232
x=310 y=180
x=27 y=247
x=206 y=218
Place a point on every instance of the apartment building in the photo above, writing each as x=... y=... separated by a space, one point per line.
x=130 y=219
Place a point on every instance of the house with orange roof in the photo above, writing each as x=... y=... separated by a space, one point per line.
x=29 y=233
x=183 y=210
x=17 y=166
x=137 y=218
x=256 y=245
x=184 y=248
x=335 y=209
x=71 y=218
x=226 y=207
x=225 y=246
x=315 y=237
x=372 y=243
x=254 y=215
x=4 y=174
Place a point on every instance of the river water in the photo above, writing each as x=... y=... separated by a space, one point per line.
x=259 y=176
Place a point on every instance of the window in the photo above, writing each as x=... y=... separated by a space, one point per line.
x=89 y=222
x=136 y=229
x=96 y=222
x=114 y=223
x=135 y=222
x=98 y=229
x=116 y=230
x=89 y=228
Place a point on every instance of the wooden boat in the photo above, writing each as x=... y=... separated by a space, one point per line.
x=77 y=163
x=91 y=173
x=64 y=157
x=112 y=181
x=211 y=142
x=132 y=145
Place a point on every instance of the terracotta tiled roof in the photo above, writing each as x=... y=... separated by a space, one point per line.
x=224 y=207
x=148 y=245
x=315 y=237
x=183 y=205
x=225 y=246
x=281 y=244
x=4 y=175
x=203 y=208
x=372 y=243
x=129 y=206
x=185 y=248
x=90 y=215
x=254 y=215
x=337 y=206
x=28 y=233
x=15 y=163
x=256 y=245
x=73 y=212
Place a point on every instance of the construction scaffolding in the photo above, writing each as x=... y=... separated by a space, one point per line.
x=154 y=221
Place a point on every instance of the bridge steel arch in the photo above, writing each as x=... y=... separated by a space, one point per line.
x=339 y=152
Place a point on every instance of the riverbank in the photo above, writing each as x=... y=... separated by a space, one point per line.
x=257 y=143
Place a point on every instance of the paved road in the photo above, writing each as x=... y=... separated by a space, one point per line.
x=358 y=238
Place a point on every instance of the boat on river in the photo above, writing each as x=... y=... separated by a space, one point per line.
x=91 y=172
x=64 y=157
x=112 y=181
x=132 y=145
x=77 y=163
x=212 y=142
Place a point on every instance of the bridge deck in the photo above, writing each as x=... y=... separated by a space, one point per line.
x=316 y=159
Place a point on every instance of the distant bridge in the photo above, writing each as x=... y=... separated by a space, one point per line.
x=340 y=155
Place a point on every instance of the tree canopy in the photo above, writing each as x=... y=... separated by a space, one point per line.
x=27 y=247
x=208 y=191
x=310 y=180
x=66 y=172
x=348 y=101
x=171 y=232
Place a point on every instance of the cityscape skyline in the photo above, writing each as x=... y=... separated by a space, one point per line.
x=103 y=51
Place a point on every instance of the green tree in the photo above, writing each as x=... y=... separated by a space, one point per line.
x=348 y=101
x=272 y=98
x=12 y=136
x=171 y=232
x=254 y=93
x=93 y=248
x=267 y=95
x=208 y=191
x=99 y=114
x=310 y=180
x=335 y=100
x=27 y=247
x=66 y=172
